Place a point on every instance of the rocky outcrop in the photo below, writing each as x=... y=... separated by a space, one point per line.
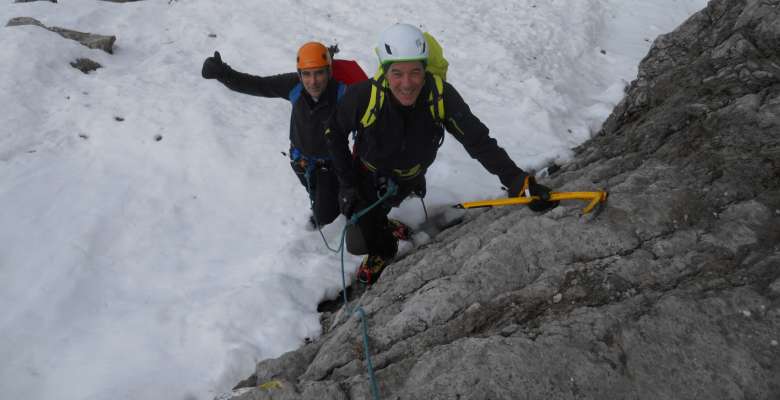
x=91 y=40
x=672 y=292
x=85 y=65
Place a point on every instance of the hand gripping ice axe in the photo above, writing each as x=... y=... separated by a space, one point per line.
x=594 y=198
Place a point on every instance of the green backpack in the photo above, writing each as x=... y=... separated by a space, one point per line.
x=437 y=65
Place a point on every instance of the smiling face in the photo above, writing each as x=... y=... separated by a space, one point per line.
x=315 y=80
x=406 y=80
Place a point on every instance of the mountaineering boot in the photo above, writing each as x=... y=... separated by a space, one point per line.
x=400 y=230
x=370 y=269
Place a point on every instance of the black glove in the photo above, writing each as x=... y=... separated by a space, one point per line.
x=525 y=185
x=213 y=67
x=348 y=199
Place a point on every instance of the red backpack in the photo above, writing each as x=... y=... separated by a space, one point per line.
x=348 y=71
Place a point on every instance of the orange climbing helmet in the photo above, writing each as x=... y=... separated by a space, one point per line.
x=313 y=55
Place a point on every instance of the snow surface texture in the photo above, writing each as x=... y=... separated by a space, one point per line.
x=153 y=241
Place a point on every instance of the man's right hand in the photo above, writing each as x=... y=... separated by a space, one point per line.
x=213 y=67
x=525 y=185
x=348 y=199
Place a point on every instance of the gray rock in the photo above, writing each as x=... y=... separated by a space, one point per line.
x=30 y=1
x=91 y=40
x=671 y=292
x=85 y=65
x=19 y=21
x=283 y=390
x=775 y=287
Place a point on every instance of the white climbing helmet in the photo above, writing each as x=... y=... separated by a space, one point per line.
x=401 y=42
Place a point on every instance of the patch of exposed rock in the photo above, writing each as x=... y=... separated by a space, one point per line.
x=672 y=292
x=91 y=40
x=85 y=65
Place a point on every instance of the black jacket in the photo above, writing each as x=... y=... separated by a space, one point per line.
x=308 y=119
x=403 y=139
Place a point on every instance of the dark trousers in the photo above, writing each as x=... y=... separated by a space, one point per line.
x=323 y=188
x=373 y=226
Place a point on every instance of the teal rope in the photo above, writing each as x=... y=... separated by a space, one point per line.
x=392 y=189
x=369 y=365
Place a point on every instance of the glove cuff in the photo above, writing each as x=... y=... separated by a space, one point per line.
x=529 y=181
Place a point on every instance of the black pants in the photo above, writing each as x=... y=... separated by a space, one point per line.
x=374 y=226
x=323 y=188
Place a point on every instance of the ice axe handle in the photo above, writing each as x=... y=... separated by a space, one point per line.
x=595 y=199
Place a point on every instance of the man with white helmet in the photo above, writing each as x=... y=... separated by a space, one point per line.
x=313 y=95
x=400 y=117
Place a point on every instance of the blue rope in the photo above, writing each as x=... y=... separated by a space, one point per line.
x=369 y=365
x=392 y=189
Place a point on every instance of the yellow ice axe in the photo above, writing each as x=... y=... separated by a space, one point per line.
x=595 y=199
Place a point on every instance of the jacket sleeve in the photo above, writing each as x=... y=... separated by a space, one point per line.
x=344 y=121
x=270 y=86
x=475 y=138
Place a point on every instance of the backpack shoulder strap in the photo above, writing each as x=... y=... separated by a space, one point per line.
x=295 y=92
x=375 y=100
x=342 y=88
x=436 y=98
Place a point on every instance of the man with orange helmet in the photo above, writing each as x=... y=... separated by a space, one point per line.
x=313 y=95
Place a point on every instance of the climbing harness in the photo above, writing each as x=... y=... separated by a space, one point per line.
x=306 y=163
